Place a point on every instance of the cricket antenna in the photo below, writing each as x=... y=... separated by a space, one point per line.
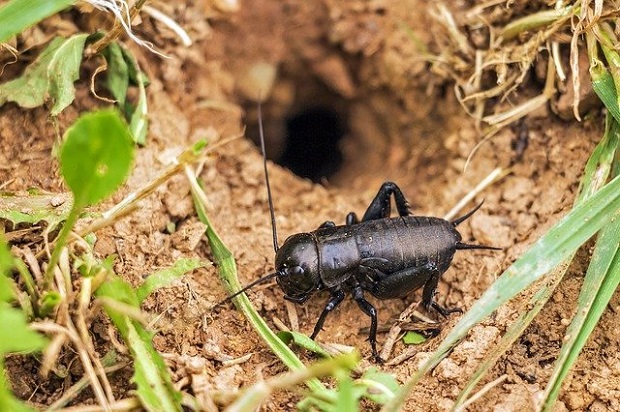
x=273 y=215
x=246 y=287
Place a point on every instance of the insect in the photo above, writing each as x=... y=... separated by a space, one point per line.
x=388 y=257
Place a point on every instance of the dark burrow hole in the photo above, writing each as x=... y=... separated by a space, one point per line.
x=307 y=141
x=312 y=143
x=305 y=136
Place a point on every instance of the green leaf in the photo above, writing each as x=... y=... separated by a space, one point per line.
x=600 y=283
x=132 y=68
x=596 y=173
x=155 y=388
x=49 y=302
x=151 y=375
x=17 y=15
x=303 y=341
x=117 y=73
x=15 y=336
x=379 y=386
x=31 y=209
x=603 y=85
x=123 y=71
x=51 y=76
x=609 y=45
x=257 y=393
x=6 y=264
x=96 y=156
x=64 y=70
x=7 y=401
x=413 y=338
x=166 y=276
x=6 y=289
x=346 y=397
x=116 y=288
x=30 y=89
x=139 y=124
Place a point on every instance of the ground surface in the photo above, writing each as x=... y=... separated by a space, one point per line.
x=403 y=125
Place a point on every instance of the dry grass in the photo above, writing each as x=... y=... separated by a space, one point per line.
x=490 y=51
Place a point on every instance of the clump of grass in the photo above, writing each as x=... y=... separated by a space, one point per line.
x=18 y=15
x=491 y=70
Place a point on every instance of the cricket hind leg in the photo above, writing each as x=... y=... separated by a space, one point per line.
x=380 y=207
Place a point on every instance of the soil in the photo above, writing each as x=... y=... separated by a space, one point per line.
x=403 y=124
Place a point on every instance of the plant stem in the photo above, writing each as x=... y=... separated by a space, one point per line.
x=59 y=243
x=116 y=31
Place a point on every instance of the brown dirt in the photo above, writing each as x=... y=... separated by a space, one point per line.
x=404 y=125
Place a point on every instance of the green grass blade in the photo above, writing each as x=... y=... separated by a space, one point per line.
x=601 y=281
x=15 y=336
x=228 y=273
x=535 y=21
x=604 y=87
x=597 y=171
x=166 y=276
x=257 y=393
x=154 y=384
x=155 y=388
x=609 y=44
x=139 y=123
x=599 y=165
x=51 y=208
x=549 y=251
x=302 y=341
x=380 y=386
x=17 y=15
x=49 y=77
x=346 y=399
x=515 y=330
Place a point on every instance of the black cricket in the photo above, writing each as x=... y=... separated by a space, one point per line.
x=389 y=257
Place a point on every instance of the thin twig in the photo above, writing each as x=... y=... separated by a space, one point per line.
x=491 y=178
x=501 y=120
x=170 y=23
x=83 y=303
x=481 y=393
x=291 y=310
x=71 y=333
x=121 y=24
x=395 y=330
x=79 y=386
x=129 y=203
x=127 y=404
